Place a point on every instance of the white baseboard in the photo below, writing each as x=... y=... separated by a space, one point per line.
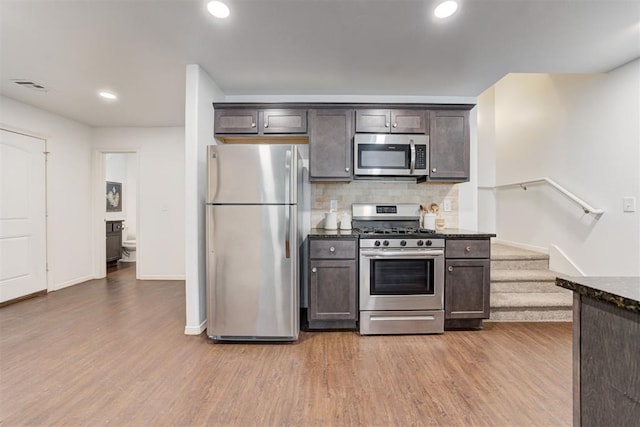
x=161 y=277
x=63 y=285
x=560 y=262
x=522 y=245
x=195 y=330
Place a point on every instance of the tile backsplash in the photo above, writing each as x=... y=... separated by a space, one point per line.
x=381 y=192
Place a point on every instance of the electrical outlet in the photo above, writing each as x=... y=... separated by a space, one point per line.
x=447 y=205
x=628 y=204
x=333 y=206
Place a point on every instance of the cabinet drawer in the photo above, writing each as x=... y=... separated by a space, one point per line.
x=114 y=226
x=332 y=249
x=468 y=249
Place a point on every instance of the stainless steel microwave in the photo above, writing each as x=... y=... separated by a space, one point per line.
x=391 y=155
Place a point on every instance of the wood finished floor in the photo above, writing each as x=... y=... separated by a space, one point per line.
x=113 y=351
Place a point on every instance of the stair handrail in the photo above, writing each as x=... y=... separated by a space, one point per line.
x=586 y=207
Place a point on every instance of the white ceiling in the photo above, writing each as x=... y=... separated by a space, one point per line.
x=139 y=49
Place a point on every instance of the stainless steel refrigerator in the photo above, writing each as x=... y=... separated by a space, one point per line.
x=253 y=242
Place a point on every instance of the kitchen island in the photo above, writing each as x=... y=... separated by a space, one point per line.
x=606 y=350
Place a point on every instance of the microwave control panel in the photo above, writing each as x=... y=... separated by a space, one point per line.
x=421 y=156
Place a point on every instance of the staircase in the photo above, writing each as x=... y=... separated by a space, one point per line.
x=523 y=288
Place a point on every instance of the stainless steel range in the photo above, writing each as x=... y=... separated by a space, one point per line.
x=401 y=279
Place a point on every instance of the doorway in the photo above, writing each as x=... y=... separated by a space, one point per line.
x=117 y=213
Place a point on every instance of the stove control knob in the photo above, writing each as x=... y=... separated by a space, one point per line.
x=376 y=243
x=419 y=243
x=386 y=243
x=428 y=243
x=403 y=243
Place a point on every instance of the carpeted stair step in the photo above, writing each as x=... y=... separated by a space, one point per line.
x=532 y=307
x=523 y=281
x=505 y=257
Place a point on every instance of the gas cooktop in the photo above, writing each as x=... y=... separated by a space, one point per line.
x=388 y=221
x=404 y=232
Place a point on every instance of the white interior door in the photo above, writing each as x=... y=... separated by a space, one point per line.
x=22 y=216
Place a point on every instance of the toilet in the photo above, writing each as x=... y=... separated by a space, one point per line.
x=128 y=247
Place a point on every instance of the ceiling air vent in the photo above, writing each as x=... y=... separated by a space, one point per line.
x=30 y=84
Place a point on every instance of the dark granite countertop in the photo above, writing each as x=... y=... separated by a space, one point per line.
x=623 y=292
x=447 y=233
x=321 y=232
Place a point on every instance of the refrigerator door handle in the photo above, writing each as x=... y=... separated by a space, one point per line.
x=287 y=198
x=287 y=181
x=213 y=175
x=287 y=231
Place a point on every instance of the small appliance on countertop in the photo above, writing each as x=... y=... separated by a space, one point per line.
x=345 y=222
x=331 y=221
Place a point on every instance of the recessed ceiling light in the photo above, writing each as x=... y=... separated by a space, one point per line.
x=108 y=95
x=446 y=9
x=218 y=9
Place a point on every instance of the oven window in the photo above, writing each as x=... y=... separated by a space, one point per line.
x=387 y=156
x=402 y=277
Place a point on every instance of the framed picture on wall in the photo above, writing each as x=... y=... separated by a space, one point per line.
x=114 y=196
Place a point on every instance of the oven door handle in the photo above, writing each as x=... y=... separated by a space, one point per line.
x=402 y=254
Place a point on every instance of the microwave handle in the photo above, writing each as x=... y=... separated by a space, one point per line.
x=413 y=157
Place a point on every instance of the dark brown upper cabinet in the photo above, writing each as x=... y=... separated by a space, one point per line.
x=391 y=121
x=260 y=122
x=283 y=121
x=236 y=121
x=330 y=152
x=449 y=146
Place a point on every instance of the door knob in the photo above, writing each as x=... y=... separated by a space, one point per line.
x=395 y=125
x=332 y=249
x=468 y=249
x=450 y=269
x=313 y=270
x=434 y=170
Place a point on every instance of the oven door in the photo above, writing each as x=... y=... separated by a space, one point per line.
x=401 y=279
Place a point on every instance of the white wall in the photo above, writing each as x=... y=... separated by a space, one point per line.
x=582 y=131
x=68 y=189
x=201 y=92
x=486 y=161
x=161 y=200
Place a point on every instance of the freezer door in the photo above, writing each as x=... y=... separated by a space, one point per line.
x=252 y=174
x=252 y=273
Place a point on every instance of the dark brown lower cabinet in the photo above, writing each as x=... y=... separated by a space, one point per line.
x=332 y=284
x=113 y=241
x=467 y=284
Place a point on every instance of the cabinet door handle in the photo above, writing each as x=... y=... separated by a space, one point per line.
x=434 y=170
x=386 y=125
x=395 y=125
x=450 y=269
x=253 y=125
x=313 y=270
x=346 y=169
x=332 y=249
x=266 y=124
x=468 y=249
